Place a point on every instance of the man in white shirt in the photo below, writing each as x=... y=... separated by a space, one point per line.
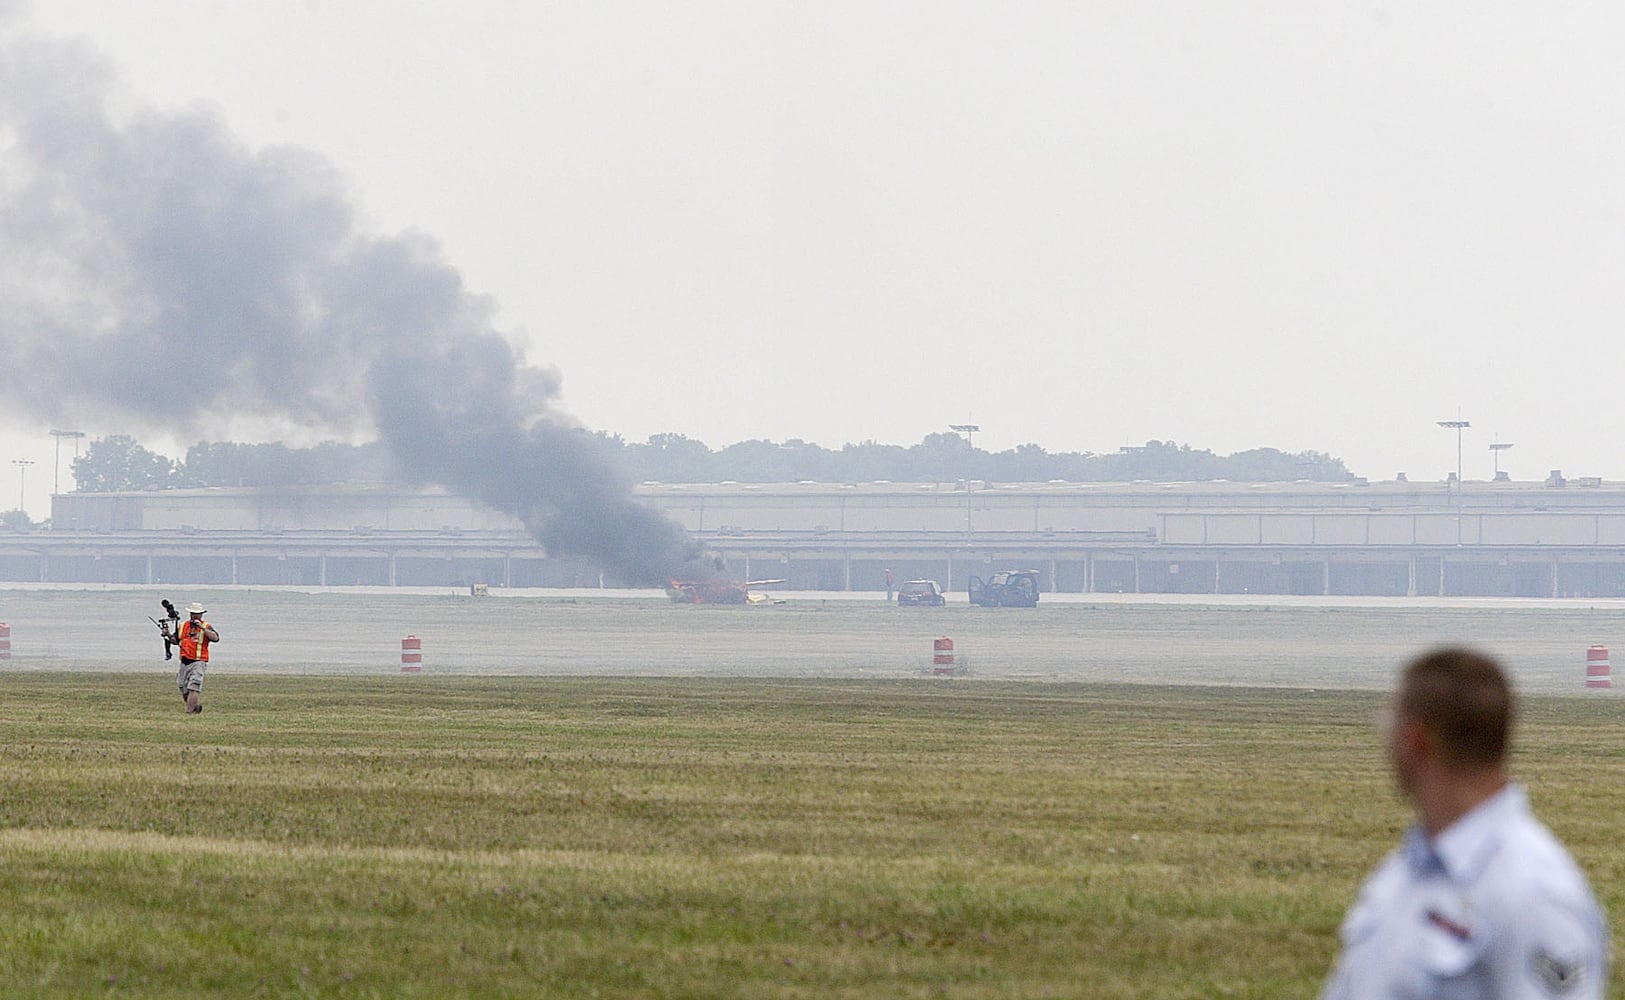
x=1480 y=900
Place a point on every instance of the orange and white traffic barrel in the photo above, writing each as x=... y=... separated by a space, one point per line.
x=1597 y=667
x=942 y=656
x=411 y=655
x=5 y=641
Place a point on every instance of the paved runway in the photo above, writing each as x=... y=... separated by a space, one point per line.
x=1148 y=639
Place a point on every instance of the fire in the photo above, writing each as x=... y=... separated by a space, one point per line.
x=716 y=590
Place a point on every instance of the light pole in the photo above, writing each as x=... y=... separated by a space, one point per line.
x=970 y=443
x=967 y=430
x=56 y=474
x=22 y=465
x=1458 y=425
x=1496 y=449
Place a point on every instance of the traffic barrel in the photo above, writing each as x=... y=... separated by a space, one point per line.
x=942 y=656
x=1597 y=667
x=411 y=655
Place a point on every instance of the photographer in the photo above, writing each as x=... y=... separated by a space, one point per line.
x=194 y=636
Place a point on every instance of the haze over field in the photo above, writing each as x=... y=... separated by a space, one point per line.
x=1302 y=226
x=1138 y=639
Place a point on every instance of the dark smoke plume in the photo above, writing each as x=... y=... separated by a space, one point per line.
x=155 y=271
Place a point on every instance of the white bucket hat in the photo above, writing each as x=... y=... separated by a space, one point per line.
x=195 y=608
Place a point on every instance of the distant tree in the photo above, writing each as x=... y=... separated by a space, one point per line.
x=228 y=463
x=756 y=462
x=1269 y=465
x=16 y=520
x=120 y=463
x=672 y=458
x=948 y=457
x=870 y=461
x=1159 y=461
x=115 y=464
x=1026 y=463
x=808 y=461
x=941 y=457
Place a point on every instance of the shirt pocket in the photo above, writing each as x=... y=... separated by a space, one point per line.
x=1448 y=964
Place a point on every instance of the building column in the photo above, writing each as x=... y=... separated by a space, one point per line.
x=1216 y=564
x=1326 y=578
x=846 y=571
x=1136 y=574
x=1088 y=572
x=1410 y=583
x=149 y=568
x=322 y=562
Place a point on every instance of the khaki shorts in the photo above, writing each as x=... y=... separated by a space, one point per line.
x=190 y=677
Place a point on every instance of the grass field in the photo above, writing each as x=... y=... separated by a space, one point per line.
x=429 y=837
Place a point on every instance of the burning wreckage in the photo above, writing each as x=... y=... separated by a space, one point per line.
x=719 y=590
x=452 y=400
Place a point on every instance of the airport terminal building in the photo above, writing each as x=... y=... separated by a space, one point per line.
x=1558 y=538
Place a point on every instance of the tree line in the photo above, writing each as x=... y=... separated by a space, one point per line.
x=673 y=458
x=120 y=463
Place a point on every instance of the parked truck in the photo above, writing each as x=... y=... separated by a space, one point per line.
x=1011 y=588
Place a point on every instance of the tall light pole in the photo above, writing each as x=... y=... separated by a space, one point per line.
x=56 y=475
x=1496 y=449
x=968 y=430
x=22 y=465
x=1458 y=425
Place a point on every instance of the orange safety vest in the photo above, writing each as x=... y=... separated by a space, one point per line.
x=194 y=643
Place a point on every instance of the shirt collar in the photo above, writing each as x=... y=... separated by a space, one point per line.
x=1464 y=847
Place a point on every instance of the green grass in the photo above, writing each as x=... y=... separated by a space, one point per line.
x=429 y=837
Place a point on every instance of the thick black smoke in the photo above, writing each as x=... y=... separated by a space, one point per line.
x=155 y=271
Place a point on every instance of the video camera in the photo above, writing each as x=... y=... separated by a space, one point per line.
x=169 y=627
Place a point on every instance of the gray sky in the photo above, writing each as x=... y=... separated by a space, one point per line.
x=1304 y=225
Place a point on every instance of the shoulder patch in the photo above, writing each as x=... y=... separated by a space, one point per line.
x=1556 y=976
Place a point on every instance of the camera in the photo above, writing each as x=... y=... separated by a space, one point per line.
x=168 y=627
